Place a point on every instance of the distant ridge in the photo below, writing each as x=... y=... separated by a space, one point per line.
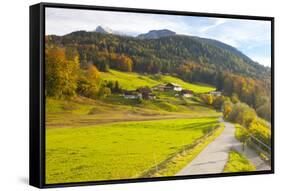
x=155 y=34
x=176 y=50
x=104 y=30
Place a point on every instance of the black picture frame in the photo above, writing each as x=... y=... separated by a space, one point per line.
x=37 y=96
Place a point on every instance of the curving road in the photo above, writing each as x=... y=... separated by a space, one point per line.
x=214 y=157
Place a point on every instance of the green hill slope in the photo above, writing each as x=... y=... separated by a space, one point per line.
x=131 y=81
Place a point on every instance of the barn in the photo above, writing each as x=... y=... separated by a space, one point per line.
x=173 y=86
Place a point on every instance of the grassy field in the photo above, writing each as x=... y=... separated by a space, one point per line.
x=117 y=150
x=81 y=111
x=132 y=81
x=181 y=159
x=116 y=138
x=238 y=163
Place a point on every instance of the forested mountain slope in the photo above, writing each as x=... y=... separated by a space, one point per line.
x=165 y=54
x=193 y=59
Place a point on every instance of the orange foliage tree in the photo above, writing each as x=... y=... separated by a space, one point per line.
x=61 y=73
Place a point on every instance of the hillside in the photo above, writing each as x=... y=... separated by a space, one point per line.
x=192 y=59
x=131 y=81
x=164 y=54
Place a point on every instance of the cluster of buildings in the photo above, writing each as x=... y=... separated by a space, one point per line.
x=167 y=87
x=146 y=92
x=140 y=93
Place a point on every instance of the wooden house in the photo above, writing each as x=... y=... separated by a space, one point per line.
x=173 y=86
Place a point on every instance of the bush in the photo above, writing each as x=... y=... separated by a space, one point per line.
x=227 y=109
x=207 y=99
x=87 y=88
x=260 y=131
x=218 y=102
x=234 y=98
x=241 y=133
x=104 y=91
x=241 y=113
x=257 y=128
x=264 y=111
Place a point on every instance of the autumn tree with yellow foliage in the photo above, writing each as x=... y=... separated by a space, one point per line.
x=207 y=98
x=89 y=82
x=61 y=72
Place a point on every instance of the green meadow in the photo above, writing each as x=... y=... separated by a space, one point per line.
x=115 y=138
x=131 y=80
x=117 y=150
x=81 y=111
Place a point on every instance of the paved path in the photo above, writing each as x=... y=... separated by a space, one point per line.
x=214 y=157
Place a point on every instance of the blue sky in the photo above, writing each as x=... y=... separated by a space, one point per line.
x=249 y=36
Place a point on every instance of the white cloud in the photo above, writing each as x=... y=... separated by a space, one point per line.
x=217 y=22
x=63 y=21
x=238 y=32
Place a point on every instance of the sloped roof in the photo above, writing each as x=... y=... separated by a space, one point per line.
x=173 y=84
x=186 y=91
x=159 y=85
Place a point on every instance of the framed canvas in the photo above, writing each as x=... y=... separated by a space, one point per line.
x=123 y=95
